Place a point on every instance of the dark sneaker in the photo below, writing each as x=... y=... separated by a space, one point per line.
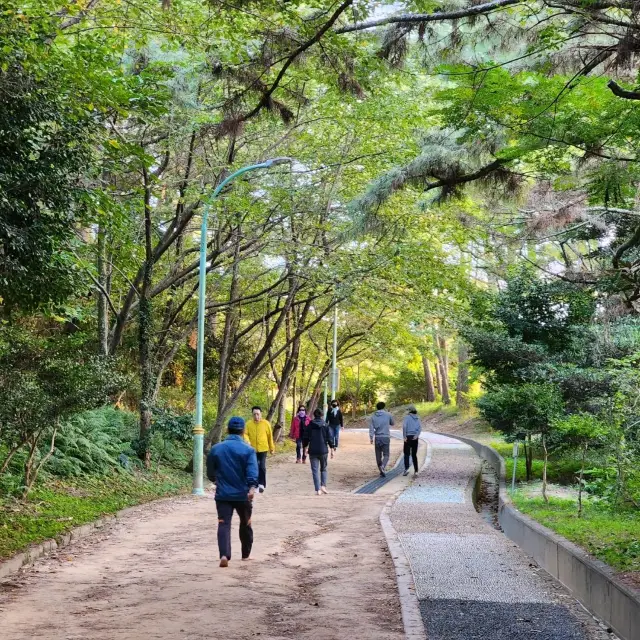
x=224 y=562
x=406 y=472
x=261 y=488
x=382 y=473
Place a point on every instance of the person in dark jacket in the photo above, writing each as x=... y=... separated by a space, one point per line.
x=233 y=467
x=318 y=440
x=299 y=422
x=411 y=429
x=335 y=421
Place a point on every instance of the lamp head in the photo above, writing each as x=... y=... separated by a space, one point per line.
x=274 y=161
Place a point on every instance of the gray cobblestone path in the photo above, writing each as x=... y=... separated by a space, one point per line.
x=471 y=581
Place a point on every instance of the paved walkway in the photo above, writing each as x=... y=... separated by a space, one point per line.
x=471 y=580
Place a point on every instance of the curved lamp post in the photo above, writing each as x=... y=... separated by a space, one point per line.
x=198 y=431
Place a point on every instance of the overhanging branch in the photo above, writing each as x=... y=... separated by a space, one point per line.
x=439 y=16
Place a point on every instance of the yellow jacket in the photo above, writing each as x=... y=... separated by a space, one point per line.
x=259 y=435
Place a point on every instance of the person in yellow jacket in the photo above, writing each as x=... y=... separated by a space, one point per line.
x=260 y=437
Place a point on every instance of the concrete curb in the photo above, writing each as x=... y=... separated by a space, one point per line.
x=411 y=616
x=16 y=562
x=592 y=582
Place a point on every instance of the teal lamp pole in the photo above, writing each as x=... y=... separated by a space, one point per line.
x=198 y=431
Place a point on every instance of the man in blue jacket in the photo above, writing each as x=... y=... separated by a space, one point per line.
x=233 y=467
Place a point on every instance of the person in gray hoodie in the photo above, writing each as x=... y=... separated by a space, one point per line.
x=411 y=434
x=379 y=434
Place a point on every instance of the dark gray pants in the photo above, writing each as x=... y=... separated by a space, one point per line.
x=382 y=453
x=319 y=471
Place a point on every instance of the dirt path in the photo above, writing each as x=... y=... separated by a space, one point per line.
x=320 y=569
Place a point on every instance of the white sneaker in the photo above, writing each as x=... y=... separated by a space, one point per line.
x=261 y=488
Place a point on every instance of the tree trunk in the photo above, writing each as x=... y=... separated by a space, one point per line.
x=101 y=297
x=7 y=460
x=462 y=384
x=357 y=402
x=581 y=479
x=294 y=392
x=528 y=457
x=438 y=383
x=428 y=379
x=444 y=369
x=289 y=368
x=544 y=468
x=317 y=389
x=145 y=332
x=33 y=475
x=278 y=432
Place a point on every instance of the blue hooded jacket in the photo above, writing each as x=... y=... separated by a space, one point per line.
x=233 y=466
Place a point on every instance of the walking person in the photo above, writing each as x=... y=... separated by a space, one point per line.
x=260 y=437
x=232 y=466
x=379 y=435
x=298 y=423
x=411 y=429
x=318 y=439
x=335 y=421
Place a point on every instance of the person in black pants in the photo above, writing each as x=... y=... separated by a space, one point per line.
x=232 y=466
x=317 y=437
x=335 y=421
x=411 y=429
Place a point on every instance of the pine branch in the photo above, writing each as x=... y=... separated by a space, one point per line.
x=440 y=16
x=266 y=96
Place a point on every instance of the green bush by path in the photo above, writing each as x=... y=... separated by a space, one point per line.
x=561 y=470
x=609 y=535
x=60 y=506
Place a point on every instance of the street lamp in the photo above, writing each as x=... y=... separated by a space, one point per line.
x=334 y=376
x=198 y=431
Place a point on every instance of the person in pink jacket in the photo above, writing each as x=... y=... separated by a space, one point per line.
x=299 y=422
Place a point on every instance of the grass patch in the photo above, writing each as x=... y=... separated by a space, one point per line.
x=430 y=408
x=60 y=506
x=610 y=536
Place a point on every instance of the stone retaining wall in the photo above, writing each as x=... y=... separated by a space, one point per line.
x=590 y=581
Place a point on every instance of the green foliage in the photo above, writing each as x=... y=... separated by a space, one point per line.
x=43 y=382
x=46 y=138
x=581 y=430
x=521 y=410
x=543 y=312
x=408 y=386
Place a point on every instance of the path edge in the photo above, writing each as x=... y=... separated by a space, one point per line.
x=409 y=605
x=592 y=582
x=14 y=563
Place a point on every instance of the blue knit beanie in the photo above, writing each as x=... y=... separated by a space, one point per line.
x=235 y=424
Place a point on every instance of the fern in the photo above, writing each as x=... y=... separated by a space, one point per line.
x=90 y=443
